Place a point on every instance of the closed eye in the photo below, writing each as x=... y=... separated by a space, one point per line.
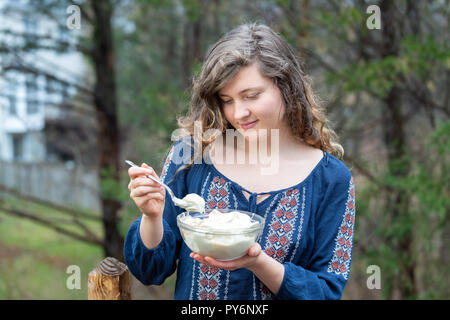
x=253 y=96
x=248 y=97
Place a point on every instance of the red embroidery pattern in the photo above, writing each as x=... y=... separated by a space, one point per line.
x=218 y=195
x=340 y=262
x=281 y=230
x=265 y=292
x=208 y=282
x=166 y=164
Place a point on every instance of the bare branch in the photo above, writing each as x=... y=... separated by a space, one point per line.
x=64 y=45
x=62 y=106
x=70 y=211
x=365 y=172
x=31 y=69
x=422 y=95
x=90 y=238
x=327 y=66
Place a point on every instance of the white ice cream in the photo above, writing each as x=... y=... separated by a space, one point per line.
x=194 y=203
x=228 y=243
x=222 y=222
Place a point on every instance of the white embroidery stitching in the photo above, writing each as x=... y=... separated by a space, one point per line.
x=300 y=225
x=340 y=261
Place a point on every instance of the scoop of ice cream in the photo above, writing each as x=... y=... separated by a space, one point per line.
x=194 y=203
x=219 y=221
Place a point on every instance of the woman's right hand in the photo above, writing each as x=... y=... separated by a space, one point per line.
x=148 y=195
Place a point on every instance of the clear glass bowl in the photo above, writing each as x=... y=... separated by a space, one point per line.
x=222 y=244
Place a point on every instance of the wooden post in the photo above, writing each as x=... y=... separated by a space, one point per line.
x=110 y=280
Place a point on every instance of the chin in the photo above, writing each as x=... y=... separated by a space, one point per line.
x=251 y=134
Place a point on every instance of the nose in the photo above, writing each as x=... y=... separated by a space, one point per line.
x=241 y=111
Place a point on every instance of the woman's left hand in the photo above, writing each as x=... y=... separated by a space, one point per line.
x=248 y=261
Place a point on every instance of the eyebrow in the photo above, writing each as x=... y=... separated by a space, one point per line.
x=242 y=91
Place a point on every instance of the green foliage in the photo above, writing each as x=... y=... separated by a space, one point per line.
x=155 y=3
x=378 y=76
x=424 y=214
x=110 y=186
x=193 y=9
x=346 y=18
x=196 y=68
x=430 y=184
x=418 y=55
x=34 y=258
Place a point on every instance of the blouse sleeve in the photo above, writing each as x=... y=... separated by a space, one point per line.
x=153 y=266
x=329 y=266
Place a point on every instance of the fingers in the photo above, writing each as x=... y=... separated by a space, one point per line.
x=143 y=170
x=203 y=260
x=141 y=201
x=135 y=172
x=138 y=177
x=143 y=181
x=198 y=257
x=148 y=191
x=227 y=265
x=243 y=262
x=254 y=250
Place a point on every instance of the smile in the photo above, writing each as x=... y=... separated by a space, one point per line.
x=249 y=125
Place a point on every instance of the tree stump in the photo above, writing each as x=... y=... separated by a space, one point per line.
x=110 y=280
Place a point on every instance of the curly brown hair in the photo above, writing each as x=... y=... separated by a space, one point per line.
x=257 y=43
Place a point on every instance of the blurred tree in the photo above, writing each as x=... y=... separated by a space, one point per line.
x=390 y=88
x=105 y=101
x=98 y=47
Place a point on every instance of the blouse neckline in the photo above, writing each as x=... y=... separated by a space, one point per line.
x=308 y=177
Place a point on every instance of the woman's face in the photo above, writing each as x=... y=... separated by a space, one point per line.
x=252 y=101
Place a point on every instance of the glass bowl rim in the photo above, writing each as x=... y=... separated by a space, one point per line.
x=238 y=231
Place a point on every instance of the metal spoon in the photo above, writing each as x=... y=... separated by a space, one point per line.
x=177 y=201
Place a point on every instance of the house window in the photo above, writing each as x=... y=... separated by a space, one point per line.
x=65 y=91
x=12 y=105
x=17 y=147
x=31 y=29
x=11 y=96
x=32 y=94
x=51 y=85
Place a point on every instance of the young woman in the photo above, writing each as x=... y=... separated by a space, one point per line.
x=251 y=82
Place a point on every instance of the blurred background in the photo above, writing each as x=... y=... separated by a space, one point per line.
x=87 y=84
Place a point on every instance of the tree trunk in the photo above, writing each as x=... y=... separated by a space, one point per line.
x=303 y=33
x=108 y=128
x=398 y=165
x=193 y=39
x=187 y=54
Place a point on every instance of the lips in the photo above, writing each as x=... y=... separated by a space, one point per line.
x=249 y=125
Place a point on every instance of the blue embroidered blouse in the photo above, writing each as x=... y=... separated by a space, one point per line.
x=309 y=229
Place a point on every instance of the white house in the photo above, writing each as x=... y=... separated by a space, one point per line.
x=28 y=99
x=34 y=87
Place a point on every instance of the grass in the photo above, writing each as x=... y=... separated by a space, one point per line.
x=34 y=258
